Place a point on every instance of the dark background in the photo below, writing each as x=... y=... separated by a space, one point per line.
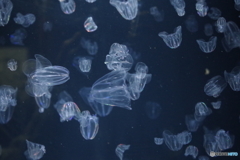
x=178 y=78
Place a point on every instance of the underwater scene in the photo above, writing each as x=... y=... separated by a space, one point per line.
x=119 y=79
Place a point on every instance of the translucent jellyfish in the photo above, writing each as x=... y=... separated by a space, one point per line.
x=192 y=151
x=121 y=148
x=5 y=11
x=85 y=63
x=68 y=111
x=184 y=137
x=191 y=23
x=5 y=116
x=231 y=36
x=216 y=105
x=47 y=26
x=202 y=8
x=68 y=6
x=153 y=110
x=42 y=76
x=111 y=90
x=100 y=109
x=34 y=151
x=7 y=97
x=179 y=6
x=127 y=8
x=36 y=90
x=215 y=86
x=237 y=5
x=210 y=143
x=12 y=65
x=224 y=140
x=158 y=141
x=208 y=29
x=214 y=13
x=43 y=101
x=171 y=141
x=90 y=25
x=50 y=76
x=220 y=24
x=119 y=58
x=66 y=108
x=91 y=47
x=233 y=78
x=88 y=125
x=172 y=40
x=201 y=111
x=25 y=20
x=18 y=36
x=137 y=81
x=158 y=15
x=208 y=46
x=90 y=1
x=191 y=123
x=141 y=70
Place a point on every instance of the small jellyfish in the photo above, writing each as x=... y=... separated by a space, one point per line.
x=231 y=36
x=119 y=58
x=158 y=141
x=158 y=15
x=221 y=24
x=209 y=46
x=34 y=151
x=5 y=11
x=184 y=137
x=201 y=111
x=89 y=125
x=233 y=78
x=47 y=26
x=214 y=13
x=191 y=123
x=208 y=29
x=191 y=23
x=85 y=64
x=237 y=5
x=91 y=47
x=216 y=105
x=192 y=151
x=5 y=116
x=25 y=20
x=18 y=36
x=172 y=40
x=90 y=25
x=215 y=86
x=68 y=6
x=171 y=141
x=127 y=8
x=67 y=111
x=121 y=148
x=7 y=97
x=153 y=109
x=43 y=102
x=12 y=65
x=179 y=6
x=224 y=140
x=202 y=8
